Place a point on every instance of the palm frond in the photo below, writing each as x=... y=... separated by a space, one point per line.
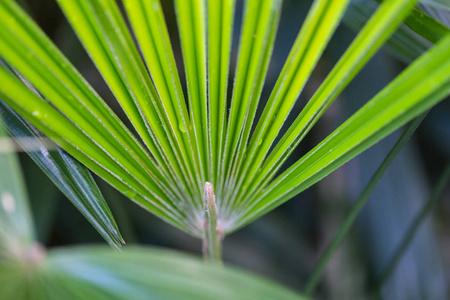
x=189 y=141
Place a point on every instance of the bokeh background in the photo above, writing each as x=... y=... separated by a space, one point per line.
x=285 y=244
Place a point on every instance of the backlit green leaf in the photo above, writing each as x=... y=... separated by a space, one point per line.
x=72 y=178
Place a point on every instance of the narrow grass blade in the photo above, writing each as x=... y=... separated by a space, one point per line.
x=415 y=225
x=314 y=279
x=378 y=29
x=426 y=26
x=72 y=178
x=419 y=87
x=404 y=43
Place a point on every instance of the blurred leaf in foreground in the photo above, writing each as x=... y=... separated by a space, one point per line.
x=146 y=273
x=17 y=249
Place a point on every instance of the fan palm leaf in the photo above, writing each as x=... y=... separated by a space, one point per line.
x=187 y=142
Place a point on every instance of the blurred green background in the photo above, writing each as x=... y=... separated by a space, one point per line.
x=285 y=244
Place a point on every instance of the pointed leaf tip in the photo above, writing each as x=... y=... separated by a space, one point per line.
x=72 y=178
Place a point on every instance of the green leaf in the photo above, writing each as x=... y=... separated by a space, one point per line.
x=371 y=37
x=192 y=28
x=28 y=272
x=427 y=27
x=103 y=32
x=148 y=23
x=220 y=29
x=96 y=136
x=404 y=42
x=72 y=178
x=31 y=53
x=70 y=138
x=259 y=28
x=320 y=24
x=101 y=28
x=146 y=273
x=419 y=87
x=412 y=38
x=187 y=144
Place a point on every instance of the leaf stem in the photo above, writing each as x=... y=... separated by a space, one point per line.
x=315 y=277
x=213 y=235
